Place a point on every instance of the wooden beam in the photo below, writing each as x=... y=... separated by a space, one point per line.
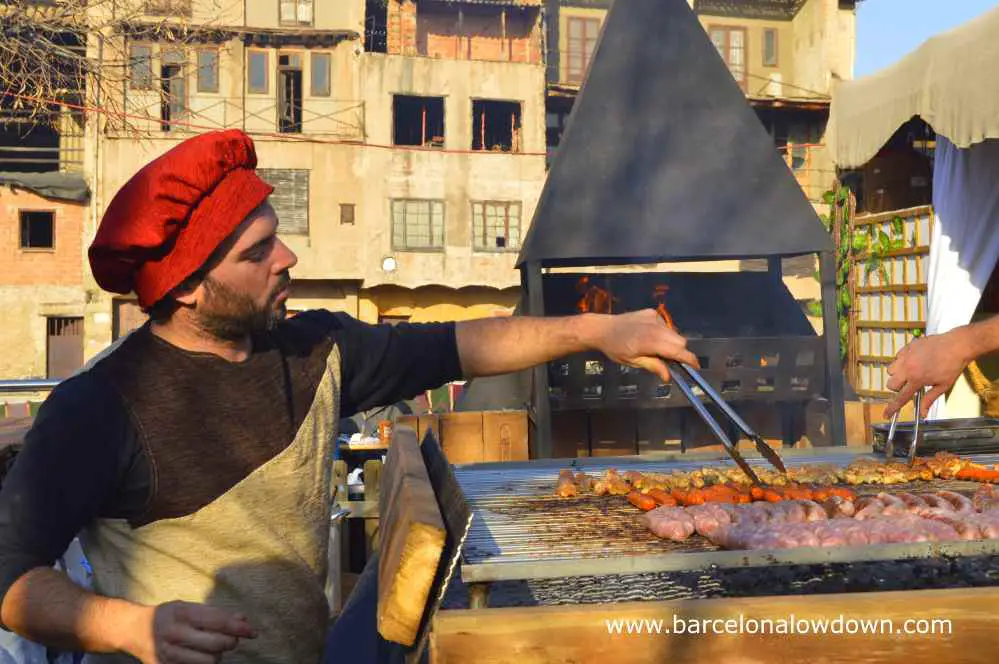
x=579 y=633
x=412 y=539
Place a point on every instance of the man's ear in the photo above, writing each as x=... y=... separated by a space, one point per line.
x=189 y=292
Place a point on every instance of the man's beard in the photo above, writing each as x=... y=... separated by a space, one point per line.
x=232 y=315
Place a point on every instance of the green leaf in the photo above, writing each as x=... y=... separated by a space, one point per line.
x=845 y=301
x=843 y=195
x=897 y=226
x=918 y=333
x=898 y=243
x=860 y=241
x=828 y=197
x=884 y=243
x=814 y=308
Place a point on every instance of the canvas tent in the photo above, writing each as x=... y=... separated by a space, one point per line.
x=950 y=83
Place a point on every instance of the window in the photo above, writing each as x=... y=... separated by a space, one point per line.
x=208 y=70
x=320 y=74
x=418 y=121
x=256 y=74
x=173 y=88
x=581 y=42
x=296 y=12
x=140 y=67
x=417 y=224
x=731 y=45
x=290 y=93
x=64 y=350
x=495 y=125
x=495 y=225
x=290 y=198
x=347 y=214
x=769 y=47
x=37 y=229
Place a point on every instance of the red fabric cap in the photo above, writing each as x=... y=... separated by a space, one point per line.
x=169 y=218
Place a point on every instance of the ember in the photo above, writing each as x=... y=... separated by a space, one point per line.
x=660 y=297
x=595 y=300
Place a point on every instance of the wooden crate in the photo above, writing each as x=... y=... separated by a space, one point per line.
x=476 y=436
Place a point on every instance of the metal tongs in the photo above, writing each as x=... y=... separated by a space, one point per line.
x=914 y=443
x=678 y=370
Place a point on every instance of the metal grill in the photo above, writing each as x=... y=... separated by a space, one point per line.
x=771 y=369
x=521 y=531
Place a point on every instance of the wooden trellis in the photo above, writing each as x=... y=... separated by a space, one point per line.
x=887 y=313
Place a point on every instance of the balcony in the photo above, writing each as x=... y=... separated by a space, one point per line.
x=341 y=119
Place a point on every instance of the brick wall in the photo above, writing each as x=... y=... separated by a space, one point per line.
x=61 y=266
x=402 y=27
x=480 y=36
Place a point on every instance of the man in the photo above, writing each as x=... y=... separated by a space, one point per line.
x=194 y=459
x=937 y=361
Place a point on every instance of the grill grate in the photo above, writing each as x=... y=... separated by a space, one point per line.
x=521 y=531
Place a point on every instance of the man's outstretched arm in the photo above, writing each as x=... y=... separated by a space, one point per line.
x=492 y=346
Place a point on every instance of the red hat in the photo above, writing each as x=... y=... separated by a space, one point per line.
x=169 y=218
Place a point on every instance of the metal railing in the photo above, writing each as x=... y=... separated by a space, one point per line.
x=28 y=385
x=339 y=118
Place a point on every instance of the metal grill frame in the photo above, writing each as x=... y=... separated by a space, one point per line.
x=516 y=481
x=734 y=367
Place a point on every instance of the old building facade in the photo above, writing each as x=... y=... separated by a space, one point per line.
x=407 y=142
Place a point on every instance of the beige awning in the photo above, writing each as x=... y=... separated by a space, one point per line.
x=951 y=81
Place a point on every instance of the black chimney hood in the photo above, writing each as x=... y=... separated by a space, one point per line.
x=664 y=160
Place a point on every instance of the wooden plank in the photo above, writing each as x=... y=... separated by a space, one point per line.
x=891 y=325
x=896 y=288
x=412 y=539
x=580 y=634
x=429 y=423
x=372 y=479
x=461 y=437
x=504 y=436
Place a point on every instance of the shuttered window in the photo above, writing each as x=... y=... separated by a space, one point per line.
x=290 y=198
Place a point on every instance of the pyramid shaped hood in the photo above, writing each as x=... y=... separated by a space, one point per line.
x=663 y=159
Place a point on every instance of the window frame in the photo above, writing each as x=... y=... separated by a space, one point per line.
x=776 y=53
x=506 y=205
x=296 y=23
x=728 y=30
x=151 y=84
x=21 y=212
x=328 y=55
x=198 y=69
x=421 y=249
x=250 y=52
x=571 y=76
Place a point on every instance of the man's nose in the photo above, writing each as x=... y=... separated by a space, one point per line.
x=285 y=258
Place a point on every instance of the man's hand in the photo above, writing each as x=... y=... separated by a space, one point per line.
x=186 y=633
x=642 y=339
x=935 y=361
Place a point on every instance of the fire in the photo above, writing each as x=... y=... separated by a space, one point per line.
x=594 y=299
x=659 y=295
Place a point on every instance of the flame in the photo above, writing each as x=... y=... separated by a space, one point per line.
x=594 y=299
x=659 y=294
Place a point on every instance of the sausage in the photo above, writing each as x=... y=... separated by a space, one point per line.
x=641 y=501
x=662 y=497
x=962 y=504
x=977 y=474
